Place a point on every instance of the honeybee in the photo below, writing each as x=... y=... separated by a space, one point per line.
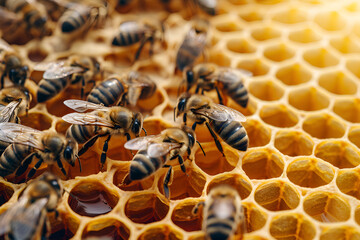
x=27 y=143
x=219 y=119
x=27 y=218
x=208 y=76
x=155 y=151
x=60 y=74
x=222 y=213
x=16 y=93
x=11 y=65
x=193 y=45
x=132 y=32
x=103 y=121
x=122 y=90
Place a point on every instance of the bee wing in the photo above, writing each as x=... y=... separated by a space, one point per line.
x=86 y=119
x=7 y=112
x=42 y=67
x=231 y=114
x=3 y=44
x=213 y=113
x=82 y=106
x=140 y=142
x=195 y=41
x=16 y=133
x=61 y=72
x=160 y=149
x=8 y=215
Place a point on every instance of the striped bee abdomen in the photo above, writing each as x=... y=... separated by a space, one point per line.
x=237 y=92
x=129 y=34
x=109 y=92
x=143 y=166
x=82 y=133
x=49 y=88
x=12 y=157
x=72 y=20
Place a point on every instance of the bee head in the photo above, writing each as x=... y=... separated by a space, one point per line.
x=18 y=75
x=137 y=124
x=53 y=181
x=70 y=151
x=191 y=135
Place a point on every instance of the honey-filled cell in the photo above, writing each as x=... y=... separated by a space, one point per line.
x=106 y=228
x=184 y=217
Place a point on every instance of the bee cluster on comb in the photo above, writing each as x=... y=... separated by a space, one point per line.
x=179 y=119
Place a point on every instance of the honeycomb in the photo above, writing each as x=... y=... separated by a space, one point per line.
x=300 y=177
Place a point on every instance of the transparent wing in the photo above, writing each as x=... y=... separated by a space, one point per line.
x=42 y=67
x=212 y=113
x=229 y=75
x=133 y=95
x=82 y=106
x=160 y=149
x=7 y=112
x=140 y=142
x=8 y=215
x=61 y=72
x=87 y=119
x=231 y=114
x=195 y=41
x=16 y=133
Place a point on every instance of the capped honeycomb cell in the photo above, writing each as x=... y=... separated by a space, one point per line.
x=277 y=195
x=183 y=217
x=36 y=120
x=308 y=99
x=327 y=207
x=278 y=116
x=294 y=74
x=323 y=126
x=255 y=218
x=257 y=67
x=345 y=45
x=306 y=36
x=266 y=90
x=293 y=143
x=292 y=226
x=354 y=135
x=310 y=172
x=5 y=193
x=262 y=164
x=161 y=231
x=330 y=21
x=348 y=109
x=291 y=16
x=337 y=83
x=258 y=133
x=320 y=58
x=342 y=232
x=279 y=53
x=107 y=228
x=348 y=181
x=265 y=33
x=240 y=46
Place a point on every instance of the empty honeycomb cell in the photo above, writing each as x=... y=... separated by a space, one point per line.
x=265 y=33
x=248 y=111
x=240 y=46
x=37 y=55
x=292 y=226
x=308 y=99
x=291 y=16
x=183 y=216
x=266 y=90
x=348 y=181
x=357 y=215
x=61 y=126
x=327 y=207
x=293 y=143
x=310 y=172
x=106 y=228
x=154 y=126
x=5 y=193
x=306 y=35
x=279 y=116
x=256 y=66
x=352 y=7
x=120 y=174
x=277 y=196
x=348 y=109
x=353 y=66
x=147 y=105
x=294 y=74
x=254 y=217
x=161 y=232
x=220 y=58
x=323 y=126
x=237 y=181
x=320 y=58
x=354 y=135
x=338 y=83
x=116 y=150
x=37 y=120
x=258 y=133
x=91 y=198
x=339 y=153
x=279 y=53
x=330 y=21
x=90 y=163
x=345 y=45
x=341 y=232
x=252 y=16
x=184 y=185
x=262 y=164
x=214 y=162
x=228 y=26
x=146 y=208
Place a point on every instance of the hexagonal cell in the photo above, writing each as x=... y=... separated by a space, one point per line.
x=279 y=53
x=356 y=29
x=116 y=150
x=341 y=232
x=37 y=54
x=291 y=16
x=327 y=207
x=323 y=125
x=91 y=199
x=219 y=58
x=292 y=226
x=258 y=133
x=228 y=26
x=256 y=66
x=37 y=120
x=293 y=143
x=352 y=6
x=266 y=90
x=354 y=135
x=330 y=21
x=353 y=66
x=240 y=46
x=357 y=215
x=146 y=208
x=338 y=83
x=252 y=16
x=255 y=218
x=339 y=153
x=348 y=109
x=237 y=181
x=6 y=193
x=265 y=33
x=262 y=164
x=162 y=231
x=90 y=162
x=294 y=74
x=278 y=116
x=345 y=45
x=248 y=111
x=308 y=99
x=183 y=217
x=277 y=196
x=106 y=228
x=320 y=58
x=214 y=162
x=122 y=171
x=348 y=181
x=306 y=35
x=310 y=172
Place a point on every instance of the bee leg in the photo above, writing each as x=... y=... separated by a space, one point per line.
x=128 y=138
x=195 y=210
x=2 y=80
x=184 y=119
x=125 y=181
x=82 y=88
x=142 y=43
x=167 y=179
x=182 y=165
x=151 y=49
x=197 y=89
x=25 y=164
x=88 y=144
x=104 y=151
x=59 y=163
x=200 y=147
x=219 y=96
x=217 y=142
x=34 y=169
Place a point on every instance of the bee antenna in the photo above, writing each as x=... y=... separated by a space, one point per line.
x=72 y=195
x=144 y=131
x=174 y=114
x=78 y=158
x=201 y=147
